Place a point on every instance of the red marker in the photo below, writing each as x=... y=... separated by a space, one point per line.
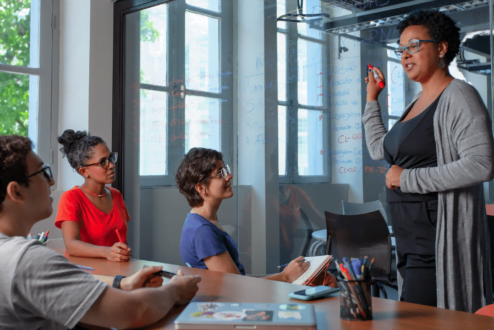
x=376 y=76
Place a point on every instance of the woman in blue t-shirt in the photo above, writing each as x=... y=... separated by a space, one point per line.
x=205 y=181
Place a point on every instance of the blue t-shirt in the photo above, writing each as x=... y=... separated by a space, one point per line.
x=201 y=239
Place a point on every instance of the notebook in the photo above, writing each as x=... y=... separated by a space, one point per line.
x=318 y=265
x=259 y=316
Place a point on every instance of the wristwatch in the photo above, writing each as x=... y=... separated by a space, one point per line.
x=117 y=280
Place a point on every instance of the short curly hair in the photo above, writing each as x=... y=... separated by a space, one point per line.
x=440 y=26
x=13 y=163
x=78 y=146
x=196 y=167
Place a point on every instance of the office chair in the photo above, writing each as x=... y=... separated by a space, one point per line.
x=305 y=232
x=356 y=236
x=359 y=208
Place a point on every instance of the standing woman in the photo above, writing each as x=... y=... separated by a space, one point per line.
x=93 y=217
x=440 y=152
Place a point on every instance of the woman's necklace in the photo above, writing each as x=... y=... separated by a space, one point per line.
x=99 y=196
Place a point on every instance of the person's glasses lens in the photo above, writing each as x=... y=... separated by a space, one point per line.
x=48 y=173
x=399 y=52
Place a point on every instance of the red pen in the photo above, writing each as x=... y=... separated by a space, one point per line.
x=376 y=76
x=119 y=237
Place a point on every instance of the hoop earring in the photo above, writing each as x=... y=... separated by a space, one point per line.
x=441 y=63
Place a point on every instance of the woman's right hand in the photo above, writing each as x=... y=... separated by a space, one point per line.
x=294 y=269
x=118 y=252
x=373 y=88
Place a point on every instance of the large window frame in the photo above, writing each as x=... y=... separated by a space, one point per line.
x=293 y=105
x=43 y=101
x=178 y=91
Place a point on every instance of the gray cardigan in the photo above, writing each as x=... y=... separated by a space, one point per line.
x=465 y=159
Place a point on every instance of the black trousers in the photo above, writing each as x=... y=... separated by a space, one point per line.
x=414 y=226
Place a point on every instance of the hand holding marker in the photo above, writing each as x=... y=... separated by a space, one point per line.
x=376 y=76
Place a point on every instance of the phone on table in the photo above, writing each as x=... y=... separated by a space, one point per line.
x=313 y=293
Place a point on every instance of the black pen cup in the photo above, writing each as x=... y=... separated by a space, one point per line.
x=355 y=299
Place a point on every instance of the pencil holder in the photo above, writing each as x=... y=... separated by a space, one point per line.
x=355 y=299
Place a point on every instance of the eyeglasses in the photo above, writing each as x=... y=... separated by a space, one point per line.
x=105 y=162
x=46 y=172
x=412 y=47
x=224 y=172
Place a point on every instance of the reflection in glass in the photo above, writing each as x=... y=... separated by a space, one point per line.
x=202 y=123
x=15 y=38
x=282 y=67
x=310 y=142
x=153 y=132
x=391 y=122
x=309 y=73
x=396 y=88
x=282 y=140
x=14 y=103
x=310 y=7
x=202 y=53
x=281 y=10
x=213 y=5
x=153 y=56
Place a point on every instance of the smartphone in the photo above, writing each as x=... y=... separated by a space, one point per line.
x=163 y=273
x=313 y=293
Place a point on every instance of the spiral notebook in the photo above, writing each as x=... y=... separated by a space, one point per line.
x=318 y=265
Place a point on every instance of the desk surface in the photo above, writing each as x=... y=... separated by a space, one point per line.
x=388 y=314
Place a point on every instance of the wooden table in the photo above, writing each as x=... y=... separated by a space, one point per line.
x=220 y=287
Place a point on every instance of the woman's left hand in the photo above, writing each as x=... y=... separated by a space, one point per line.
x=143 y=278
x=393 y=177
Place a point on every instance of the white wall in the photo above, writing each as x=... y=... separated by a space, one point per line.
x=85 y=84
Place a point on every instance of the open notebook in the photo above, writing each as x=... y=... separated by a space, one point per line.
x=318 y=265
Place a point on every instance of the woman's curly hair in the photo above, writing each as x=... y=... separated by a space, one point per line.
x=78 y=146
x=194 y=168
x=13 y=164
x=440 y=26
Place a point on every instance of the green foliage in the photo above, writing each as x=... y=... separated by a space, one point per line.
x=15 y=19
x=148 y=32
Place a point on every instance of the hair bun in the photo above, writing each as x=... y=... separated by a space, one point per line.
x=69 y=138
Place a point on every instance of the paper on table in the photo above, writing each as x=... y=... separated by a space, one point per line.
x=315 y=265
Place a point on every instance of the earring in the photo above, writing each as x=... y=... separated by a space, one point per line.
x=441 y=63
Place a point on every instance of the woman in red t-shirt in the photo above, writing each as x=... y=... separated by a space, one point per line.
x=93 y=217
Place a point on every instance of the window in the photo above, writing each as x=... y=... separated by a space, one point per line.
x=184 y=73
x=396 y=88
x=26 y=43
x=301 y=72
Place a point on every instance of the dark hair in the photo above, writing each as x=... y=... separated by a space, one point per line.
x=440 y=26
x=194 y=168
x=13 y=164
x=78 y=146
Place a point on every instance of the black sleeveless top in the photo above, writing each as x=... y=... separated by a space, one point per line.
x=411 y=144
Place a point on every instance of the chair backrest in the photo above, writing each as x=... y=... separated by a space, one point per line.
x=359 y=208
x=356 y=236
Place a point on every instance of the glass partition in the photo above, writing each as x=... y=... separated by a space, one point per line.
x=283 y=101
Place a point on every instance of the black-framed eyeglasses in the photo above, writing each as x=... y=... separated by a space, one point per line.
x=412 y=47
x=224 y=172
x=105 y=162
x=46 y=172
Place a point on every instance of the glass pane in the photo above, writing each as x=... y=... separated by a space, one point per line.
x=282 y=140
x=19 y=35
x=310 y=7
x=202 y=57
x=280 y=10
x=396 y=88
x=391 y=122
x=309 y=73
x=153 y=133
x=282 y=67
x=15 y=103
x=202 y=123
x=310 y=142
x=154 y=54
x=213 y=5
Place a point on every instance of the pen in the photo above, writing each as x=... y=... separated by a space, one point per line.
x=119 y=237
x=84 y=267
x=41 y=236
x=376 y=76
x=284 y=265
x=163 y=273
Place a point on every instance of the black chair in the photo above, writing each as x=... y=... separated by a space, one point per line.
x=356 y=236
x=359 y=208
x=490 y=224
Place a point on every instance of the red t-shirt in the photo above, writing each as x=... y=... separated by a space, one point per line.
x=95 y=226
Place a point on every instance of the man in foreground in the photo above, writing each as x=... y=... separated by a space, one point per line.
x=39 y=288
